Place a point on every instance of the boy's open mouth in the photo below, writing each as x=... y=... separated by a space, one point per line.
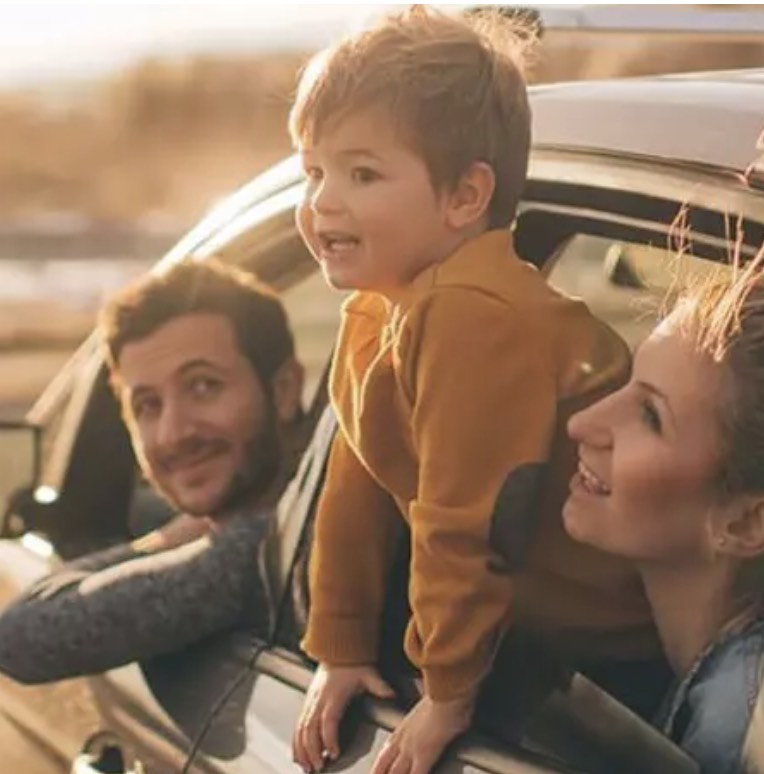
x=337 y=241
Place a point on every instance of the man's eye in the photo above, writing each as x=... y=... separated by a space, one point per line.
x=204 y=386
x=365 y=175
x=651 y=417
x=145 y=408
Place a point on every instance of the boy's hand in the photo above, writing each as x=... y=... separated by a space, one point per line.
x=423 y=735
x=316 y=739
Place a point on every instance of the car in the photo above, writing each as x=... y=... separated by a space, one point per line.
x=635 y=187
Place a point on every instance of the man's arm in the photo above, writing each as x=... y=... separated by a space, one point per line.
x=483 y=391
x=120 y=605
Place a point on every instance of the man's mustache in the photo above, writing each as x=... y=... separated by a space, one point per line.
x=189 y=451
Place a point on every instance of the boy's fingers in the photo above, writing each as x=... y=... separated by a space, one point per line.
x=330 y=723
x=401 y=765
x=376 y=686
x=298 y=749
x=386 y=758
x=313 y=743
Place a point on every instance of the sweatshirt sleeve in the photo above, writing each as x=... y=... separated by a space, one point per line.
x=118 y=605
x=482 y=388
x=356 y=527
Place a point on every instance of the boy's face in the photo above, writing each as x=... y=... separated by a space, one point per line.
x=370 y=214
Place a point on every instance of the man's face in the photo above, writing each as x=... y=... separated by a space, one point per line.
x=204 y=431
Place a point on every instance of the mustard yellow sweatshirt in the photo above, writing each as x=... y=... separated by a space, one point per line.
x=452 y=400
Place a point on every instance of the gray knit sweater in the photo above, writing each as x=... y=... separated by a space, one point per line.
x=116 y=606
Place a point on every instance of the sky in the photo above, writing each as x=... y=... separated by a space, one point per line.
x=45 y=41
x=42 y=43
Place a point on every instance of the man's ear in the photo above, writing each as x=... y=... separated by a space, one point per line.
x=741 y=534
x=469 y=201
x=286 y=385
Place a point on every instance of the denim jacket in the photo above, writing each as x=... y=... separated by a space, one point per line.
x=709 y=711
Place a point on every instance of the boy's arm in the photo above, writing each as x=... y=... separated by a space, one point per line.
x=356 y=527
x=483 y=391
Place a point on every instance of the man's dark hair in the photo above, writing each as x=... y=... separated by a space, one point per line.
x=258 y=318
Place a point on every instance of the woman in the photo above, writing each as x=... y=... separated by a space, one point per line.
x=671 y=475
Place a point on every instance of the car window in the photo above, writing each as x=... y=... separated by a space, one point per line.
x=314 y=312
x=625 y=284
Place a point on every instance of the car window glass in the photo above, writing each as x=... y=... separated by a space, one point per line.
x=626 y=284
x=314 y=312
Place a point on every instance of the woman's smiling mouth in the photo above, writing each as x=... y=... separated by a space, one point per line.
x=590 y=482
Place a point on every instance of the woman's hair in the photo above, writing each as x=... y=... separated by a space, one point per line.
x=725 y=319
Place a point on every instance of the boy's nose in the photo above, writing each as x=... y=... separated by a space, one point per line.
x=325 y=199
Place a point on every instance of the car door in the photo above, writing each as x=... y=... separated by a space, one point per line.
x=56 y=718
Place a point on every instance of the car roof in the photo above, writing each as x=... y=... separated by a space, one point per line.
x=704 y=119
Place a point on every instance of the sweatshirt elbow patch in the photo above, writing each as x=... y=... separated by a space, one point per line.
x=515 y=516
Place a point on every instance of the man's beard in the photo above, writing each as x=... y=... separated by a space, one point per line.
x=253 y=479
x=258 y=471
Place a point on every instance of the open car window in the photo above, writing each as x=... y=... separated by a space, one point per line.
x=626 y=284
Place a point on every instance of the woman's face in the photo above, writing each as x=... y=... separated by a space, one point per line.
x=649 y=455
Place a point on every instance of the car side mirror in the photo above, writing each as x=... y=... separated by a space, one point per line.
x=20 y=454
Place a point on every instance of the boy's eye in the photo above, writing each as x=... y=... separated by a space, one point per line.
x=651 y=417
x=365 y=174
x=313 y=174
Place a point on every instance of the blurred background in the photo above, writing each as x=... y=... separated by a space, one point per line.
x=121 y=124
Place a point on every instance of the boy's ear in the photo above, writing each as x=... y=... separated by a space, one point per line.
x=741 y=534
x=470 y=199
x=287 y=387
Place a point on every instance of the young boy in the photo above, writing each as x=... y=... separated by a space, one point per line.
x=455 y=367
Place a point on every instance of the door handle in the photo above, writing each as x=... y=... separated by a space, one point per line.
x=109 y=761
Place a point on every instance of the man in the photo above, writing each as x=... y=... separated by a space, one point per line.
x=202 y=362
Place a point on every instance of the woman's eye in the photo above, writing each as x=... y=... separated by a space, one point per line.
x=651 y=417
x=365 y=174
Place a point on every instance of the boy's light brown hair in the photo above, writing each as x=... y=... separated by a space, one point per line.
x=453 y=86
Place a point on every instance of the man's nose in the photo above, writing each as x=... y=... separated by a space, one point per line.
x=174 y=425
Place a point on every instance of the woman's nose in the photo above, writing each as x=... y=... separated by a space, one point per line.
x=591 y=425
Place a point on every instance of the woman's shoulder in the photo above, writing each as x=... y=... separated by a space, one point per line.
x=719 y=699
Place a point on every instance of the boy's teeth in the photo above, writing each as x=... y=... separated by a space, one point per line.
x=342 y=244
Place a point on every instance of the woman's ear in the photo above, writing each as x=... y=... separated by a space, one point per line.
x=286 y=385
x=469 y=201
x=741 y=532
